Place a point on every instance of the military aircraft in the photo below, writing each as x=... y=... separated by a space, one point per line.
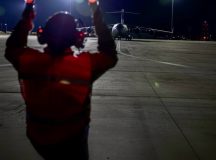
x=121 y=30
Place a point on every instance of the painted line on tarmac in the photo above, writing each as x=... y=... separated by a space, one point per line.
x=149 y=59
x=132 y=56
x=5 y=65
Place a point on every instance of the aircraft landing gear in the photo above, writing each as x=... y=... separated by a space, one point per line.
x=129 y=38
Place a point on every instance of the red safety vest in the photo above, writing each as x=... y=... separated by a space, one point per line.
x=57 y=94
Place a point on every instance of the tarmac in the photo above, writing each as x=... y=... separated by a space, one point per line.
x=158 y=103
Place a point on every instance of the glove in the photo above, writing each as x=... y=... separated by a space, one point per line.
x=28 y=15
x=29 y=12
x=93 y=5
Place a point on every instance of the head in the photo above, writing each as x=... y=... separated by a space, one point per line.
x=60 y=33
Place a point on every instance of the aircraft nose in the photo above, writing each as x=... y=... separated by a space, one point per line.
x=120 y=27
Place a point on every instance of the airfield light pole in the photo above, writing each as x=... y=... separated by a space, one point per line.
x=172 y=17
x=70 y=6
x=5 y=27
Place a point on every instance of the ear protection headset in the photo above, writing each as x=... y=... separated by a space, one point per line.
x=40 y=35
x=61 y=25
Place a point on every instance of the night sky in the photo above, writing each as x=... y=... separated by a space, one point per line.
x=188 y=14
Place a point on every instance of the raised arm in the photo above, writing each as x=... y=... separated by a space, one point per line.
x=17 y=41
x=106 y=43
x=107 y=57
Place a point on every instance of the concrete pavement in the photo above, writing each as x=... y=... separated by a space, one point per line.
x=158 y=103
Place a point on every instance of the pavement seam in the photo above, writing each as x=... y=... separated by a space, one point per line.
x=5 y=65
x=173 y=119
x=161 y=101
x=143 y=96
x=118 y=48
x=149 y=59
x=168 y=72
x=2 y=92
x=132 y=96
x=20 y=108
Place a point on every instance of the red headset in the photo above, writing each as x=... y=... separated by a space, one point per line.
x=77 y=38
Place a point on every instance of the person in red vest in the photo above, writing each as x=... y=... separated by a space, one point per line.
x=57 y=85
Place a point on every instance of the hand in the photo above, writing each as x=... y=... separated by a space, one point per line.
x=29 y=1
x=93 y=4
x=92 y=1
x=29 y=12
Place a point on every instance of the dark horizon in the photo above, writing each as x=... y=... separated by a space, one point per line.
x=188 y=14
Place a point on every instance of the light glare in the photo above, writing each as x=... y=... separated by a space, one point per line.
x=29 y=1
x=92 y=1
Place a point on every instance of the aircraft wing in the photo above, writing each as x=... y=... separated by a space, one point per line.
x=147 y=29
x=152 y=33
